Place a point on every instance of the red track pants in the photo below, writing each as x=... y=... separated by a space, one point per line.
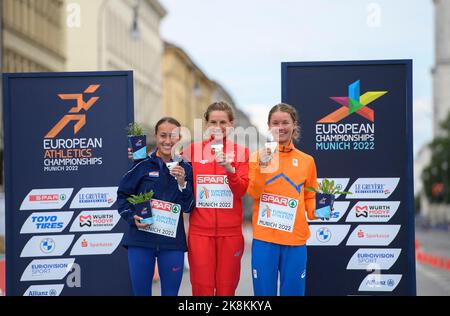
x=215 y=264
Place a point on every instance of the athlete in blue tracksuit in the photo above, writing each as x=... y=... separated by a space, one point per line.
x=144 y=247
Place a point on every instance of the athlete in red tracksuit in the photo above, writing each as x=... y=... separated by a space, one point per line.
x=215 y=240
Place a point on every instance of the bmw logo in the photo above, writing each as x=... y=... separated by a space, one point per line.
x=47 y=245
x=323 y=235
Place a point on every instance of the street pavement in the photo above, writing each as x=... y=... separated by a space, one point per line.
x=431 y=281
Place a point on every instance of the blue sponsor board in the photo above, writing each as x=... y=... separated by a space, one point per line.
x=64 y=132
x=356 y=121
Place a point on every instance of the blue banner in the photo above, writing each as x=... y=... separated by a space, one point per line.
x=65 y=139
x=356 y=121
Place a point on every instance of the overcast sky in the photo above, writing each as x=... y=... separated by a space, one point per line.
x=241 y=43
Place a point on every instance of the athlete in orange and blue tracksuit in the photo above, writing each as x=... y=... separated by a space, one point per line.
x=280 y=228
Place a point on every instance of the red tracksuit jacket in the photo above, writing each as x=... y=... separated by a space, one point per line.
x=216 y=212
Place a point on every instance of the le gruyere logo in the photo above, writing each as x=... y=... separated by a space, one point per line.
x=74 y=112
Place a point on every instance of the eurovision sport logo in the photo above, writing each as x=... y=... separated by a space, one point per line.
x=335 y=132
x=47 y=269
x=374 y=259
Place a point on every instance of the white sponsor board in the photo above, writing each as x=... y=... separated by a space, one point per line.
x=47 y=246
x=46 y=222
x=47 y=269
x=327 y=235
x=95 y=221
x=96 y=244
x=380 y=282
x=46 y=199
x=373 y=188
x=371 y=211
x=373 y=259
x=44 y=290
x=373 y=235
x=339 y=183
x=99 y=197
x=339 y=210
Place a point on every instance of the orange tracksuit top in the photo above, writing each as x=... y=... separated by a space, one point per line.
x=280 y=187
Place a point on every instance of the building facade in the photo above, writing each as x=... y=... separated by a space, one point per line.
x=33 y=40
x=122 y=35
x=441 y=70
x=187 y=90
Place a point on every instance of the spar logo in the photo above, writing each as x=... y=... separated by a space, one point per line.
x=47 y=197
x=204 y=193
x=354 y=102
x=73 y=115
x=165 y=206
x=39 y=199
x=274 y=199
x=212 y=179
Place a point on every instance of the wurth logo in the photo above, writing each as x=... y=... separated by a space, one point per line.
x=73 y=115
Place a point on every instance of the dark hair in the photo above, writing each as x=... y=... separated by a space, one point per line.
x=287 y=108
x=220 y=106
x=166 y=119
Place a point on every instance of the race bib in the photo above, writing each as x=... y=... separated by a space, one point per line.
x=277 y=212
x=166 y=216
x=213 y=192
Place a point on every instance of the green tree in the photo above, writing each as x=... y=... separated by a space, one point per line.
x=436 y=176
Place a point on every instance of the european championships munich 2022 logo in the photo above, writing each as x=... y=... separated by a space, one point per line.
x=333 y=135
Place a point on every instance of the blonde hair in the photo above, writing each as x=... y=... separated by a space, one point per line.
x=220 y=106
x=287 y=108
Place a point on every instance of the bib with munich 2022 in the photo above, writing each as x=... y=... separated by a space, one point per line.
x=277 y=212
x=213 y=192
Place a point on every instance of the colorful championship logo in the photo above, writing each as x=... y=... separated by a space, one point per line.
x=204 y=193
